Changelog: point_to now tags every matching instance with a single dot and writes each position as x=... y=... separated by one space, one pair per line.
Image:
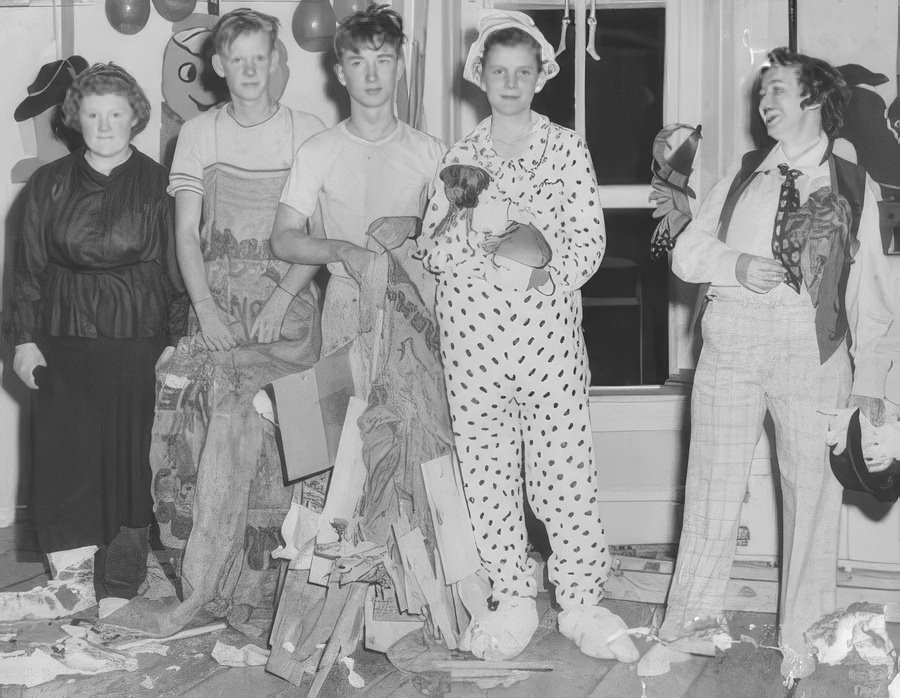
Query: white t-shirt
x=356 y=181
x=214 y=137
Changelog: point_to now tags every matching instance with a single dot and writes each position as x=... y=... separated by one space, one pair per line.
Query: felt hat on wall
x=49 y=87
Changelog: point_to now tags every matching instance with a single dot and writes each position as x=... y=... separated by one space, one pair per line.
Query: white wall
x=31 y=37
x=28 y=39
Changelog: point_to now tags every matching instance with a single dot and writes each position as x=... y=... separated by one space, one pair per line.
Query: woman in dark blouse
x=95 y=276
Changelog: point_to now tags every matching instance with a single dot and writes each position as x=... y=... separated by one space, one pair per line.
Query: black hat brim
x=850 y=468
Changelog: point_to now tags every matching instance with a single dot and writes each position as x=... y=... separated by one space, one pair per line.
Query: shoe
x=502 y=634
x=598 y=632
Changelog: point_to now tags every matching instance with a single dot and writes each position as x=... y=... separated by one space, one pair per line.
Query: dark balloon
x=128 y=16
x=174 y=10
x=314 y=25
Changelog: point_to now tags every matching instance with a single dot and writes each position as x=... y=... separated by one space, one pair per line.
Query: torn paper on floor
x=74 y=656
x=248 y=655
x=860 y=627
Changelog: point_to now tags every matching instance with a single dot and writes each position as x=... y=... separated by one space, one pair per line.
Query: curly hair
x=105 y=79
x=373 y=27
x=242 y=21
x=823 y=84
x=509 y=37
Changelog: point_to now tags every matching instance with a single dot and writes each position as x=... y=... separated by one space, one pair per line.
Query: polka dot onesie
x=513 y=352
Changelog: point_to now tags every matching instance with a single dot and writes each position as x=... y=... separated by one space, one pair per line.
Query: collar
x=529 y=160
x=345 y=127
x=813 y=156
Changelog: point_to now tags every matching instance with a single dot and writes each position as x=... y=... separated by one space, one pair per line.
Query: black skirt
x=91 y=421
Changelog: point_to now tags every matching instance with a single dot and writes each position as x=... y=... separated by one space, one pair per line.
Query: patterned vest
x=847 y=179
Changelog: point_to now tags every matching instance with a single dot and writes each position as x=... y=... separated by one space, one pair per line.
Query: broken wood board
x=344 y=492
x=417 y=565
x=450 y=516
x=299 y=609
x=750 y=588
x=310 y=409
x=345 y=636
x=384 y=623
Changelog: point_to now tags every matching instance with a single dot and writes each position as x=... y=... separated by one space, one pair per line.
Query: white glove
x=28 y=357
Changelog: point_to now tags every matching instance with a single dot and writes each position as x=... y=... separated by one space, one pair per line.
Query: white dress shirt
x=872 y=296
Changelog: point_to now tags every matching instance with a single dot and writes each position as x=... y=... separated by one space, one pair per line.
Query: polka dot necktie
x=786 y=249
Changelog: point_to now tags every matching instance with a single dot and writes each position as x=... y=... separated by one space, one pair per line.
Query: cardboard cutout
x=868 y=126
x=190 y=86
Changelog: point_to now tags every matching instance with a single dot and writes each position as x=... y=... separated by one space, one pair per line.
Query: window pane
x=626 y=302
x=623 y=91
x=626 y=305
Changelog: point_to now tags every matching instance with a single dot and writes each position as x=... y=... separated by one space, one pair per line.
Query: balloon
x=174 y=10
x=343 y=8
x=314 y=25
x=128 y=16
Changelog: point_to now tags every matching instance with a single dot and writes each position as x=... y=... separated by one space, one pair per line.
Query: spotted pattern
x=516 y=368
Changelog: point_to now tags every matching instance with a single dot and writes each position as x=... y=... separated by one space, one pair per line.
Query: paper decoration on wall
x=128 y=16
x=313 y=25
x=189 y=84
x=877 y=145
x=174 y=10
x=343 y=8
x=45 y=94
x=674 y=149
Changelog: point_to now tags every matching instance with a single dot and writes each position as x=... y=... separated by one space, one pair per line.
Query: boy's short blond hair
x=242 y=21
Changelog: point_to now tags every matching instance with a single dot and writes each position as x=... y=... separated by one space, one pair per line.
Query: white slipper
x=504 y=633
x=598 y=632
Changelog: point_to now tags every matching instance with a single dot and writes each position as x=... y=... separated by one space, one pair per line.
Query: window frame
x=693 y=37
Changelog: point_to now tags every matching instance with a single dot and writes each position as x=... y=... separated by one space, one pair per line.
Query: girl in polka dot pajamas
x=513 y=231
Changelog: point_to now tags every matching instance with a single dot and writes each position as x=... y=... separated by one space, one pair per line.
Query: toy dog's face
x=185 y=88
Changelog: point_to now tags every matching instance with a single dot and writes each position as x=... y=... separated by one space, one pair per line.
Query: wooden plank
x=622 y=680
x=383 y=630
x=344 y=490
x=651 y=587
x=751 y=587
x=739 y=570
x=447 y=592
x=290 y=587
x=345 y=637
x=453 y=532
x=315 y=616
x=417 y=565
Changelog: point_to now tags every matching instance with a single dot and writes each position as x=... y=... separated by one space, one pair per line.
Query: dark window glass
x=623 y=91
x=626 y=301
x=626 y=307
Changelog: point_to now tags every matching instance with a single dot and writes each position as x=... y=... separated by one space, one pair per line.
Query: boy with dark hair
x=790 y=253
x=254 y=319
x=370 y=174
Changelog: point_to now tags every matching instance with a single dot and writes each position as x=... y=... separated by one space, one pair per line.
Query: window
x=626 y=305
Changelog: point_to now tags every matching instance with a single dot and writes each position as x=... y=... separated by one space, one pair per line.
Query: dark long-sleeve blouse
x=95 y=255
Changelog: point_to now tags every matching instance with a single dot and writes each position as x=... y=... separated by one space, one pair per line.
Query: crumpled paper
x=248 y=655
x=73 y=656
x=860 y=627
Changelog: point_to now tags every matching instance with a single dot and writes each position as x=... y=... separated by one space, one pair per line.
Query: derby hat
x=849 y=467
x=49 y=87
